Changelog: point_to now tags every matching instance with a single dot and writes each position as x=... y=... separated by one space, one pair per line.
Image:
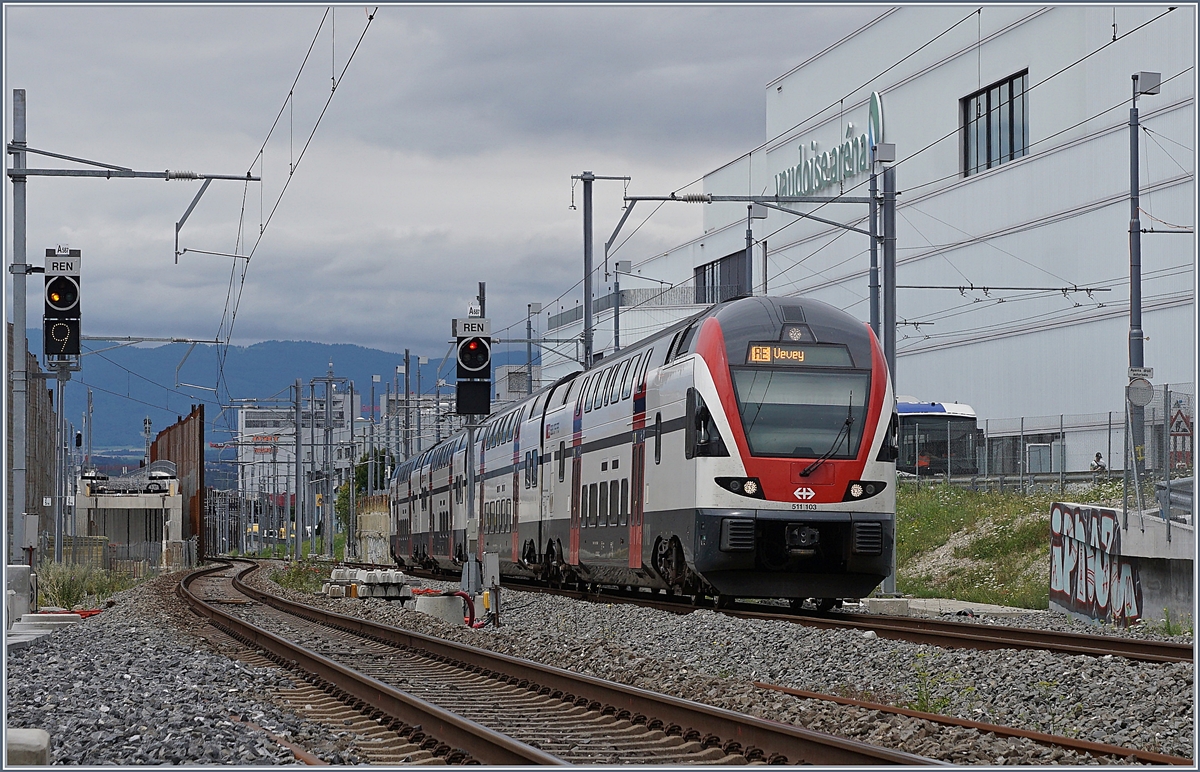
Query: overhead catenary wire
x=232 y=314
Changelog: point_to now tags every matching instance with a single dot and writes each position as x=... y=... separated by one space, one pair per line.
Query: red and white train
x=748 y=451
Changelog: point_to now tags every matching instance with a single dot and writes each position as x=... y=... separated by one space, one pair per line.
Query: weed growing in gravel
x=67 y=586
x=1170 y=626
x=926 y=683
x=299 y=576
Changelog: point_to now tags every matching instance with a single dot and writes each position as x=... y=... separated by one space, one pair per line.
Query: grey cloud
x=448 y=118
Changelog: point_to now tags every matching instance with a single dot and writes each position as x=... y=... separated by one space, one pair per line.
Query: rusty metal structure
x=183 y=444
x=39 y=422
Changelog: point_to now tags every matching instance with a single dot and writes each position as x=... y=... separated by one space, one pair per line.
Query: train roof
x=935 y=408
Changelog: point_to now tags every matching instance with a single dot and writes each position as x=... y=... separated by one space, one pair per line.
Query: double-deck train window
x=658 y=438
x=614 y=502
x=594 y=505
x=673 y=347
x=605 y=390
x=583 y=508
x=562 y=461
x=641 y=379
x=625 y=501
x=620 y=381
x=628 y=378
x=596 y=388
x=614 y=386
x=602 y=518
x=585 y=394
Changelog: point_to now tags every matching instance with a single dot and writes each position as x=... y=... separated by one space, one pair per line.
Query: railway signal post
x=60 y=344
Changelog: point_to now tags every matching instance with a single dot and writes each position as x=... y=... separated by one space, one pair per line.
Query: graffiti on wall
x=1087 y=574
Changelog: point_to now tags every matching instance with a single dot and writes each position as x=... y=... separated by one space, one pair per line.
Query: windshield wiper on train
x=844 y=432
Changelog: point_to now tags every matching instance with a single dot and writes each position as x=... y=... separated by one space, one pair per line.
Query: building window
x=996 y=124
x=722 y=279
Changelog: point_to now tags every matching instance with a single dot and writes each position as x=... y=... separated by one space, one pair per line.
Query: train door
x=514 y=536
x=576 y=473
x=637 y=473
x=636 y=483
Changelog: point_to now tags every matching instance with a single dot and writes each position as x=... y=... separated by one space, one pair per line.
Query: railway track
x=1065 y=642
x=936 y=632
x=469 y=704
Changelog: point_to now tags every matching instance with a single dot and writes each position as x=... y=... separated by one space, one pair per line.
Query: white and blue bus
x=934 y=436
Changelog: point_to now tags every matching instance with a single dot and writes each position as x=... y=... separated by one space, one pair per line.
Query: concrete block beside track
x=448 y=608
x=27 y=747
x=892 y=606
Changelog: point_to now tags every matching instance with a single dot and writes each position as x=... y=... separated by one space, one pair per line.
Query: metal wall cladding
x=183 y=443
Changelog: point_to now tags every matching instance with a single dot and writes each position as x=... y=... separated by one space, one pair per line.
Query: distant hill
x=131 y=383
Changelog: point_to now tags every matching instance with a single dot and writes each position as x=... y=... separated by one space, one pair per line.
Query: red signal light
x=473 y=345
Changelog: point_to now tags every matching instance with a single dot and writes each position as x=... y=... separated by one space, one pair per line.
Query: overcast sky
x=444 y=158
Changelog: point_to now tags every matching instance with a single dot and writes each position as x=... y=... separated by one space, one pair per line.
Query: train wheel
x=825 y=604
x=723 y=601
x=796 y=604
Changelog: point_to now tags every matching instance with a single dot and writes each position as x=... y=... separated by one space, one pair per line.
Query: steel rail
x=480 y=742
x=1069 y=743
x=983 y=636
x=777 y=742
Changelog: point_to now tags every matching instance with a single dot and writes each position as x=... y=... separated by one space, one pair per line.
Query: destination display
x=798 y=354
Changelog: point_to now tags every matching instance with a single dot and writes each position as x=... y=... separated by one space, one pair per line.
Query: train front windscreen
x=793 y=413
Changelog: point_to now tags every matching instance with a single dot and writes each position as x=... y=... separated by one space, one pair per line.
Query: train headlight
x=743 y=486
x=858 y=490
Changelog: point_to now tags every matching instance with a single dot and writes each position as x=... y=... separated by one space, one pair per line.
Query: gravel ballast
x=133 y=685
x=712 y=658
x=137 y=684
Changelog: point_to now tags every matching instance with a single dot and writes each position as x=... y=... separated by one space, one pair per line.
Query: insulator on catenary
x=182 y=175
x=696 y=198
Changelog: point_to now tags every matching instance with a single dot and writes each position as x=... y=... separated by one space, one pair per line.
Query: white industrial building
x=266 y=444
x=1012 y=157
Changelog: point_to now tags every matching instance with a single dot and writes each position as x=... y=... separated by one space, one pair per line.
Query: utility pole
x=88 y=460
x=889 y=270
x=753 y=212
x=352 y=520
x=312 y=469
x=408 y=402
x=20 y=270
x=873 y=217
x=588 y=325
x=297 y=527
x=1143 y=83
x=531 y=309
x=371 y=442
x=327 y=487
x=420 y=439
